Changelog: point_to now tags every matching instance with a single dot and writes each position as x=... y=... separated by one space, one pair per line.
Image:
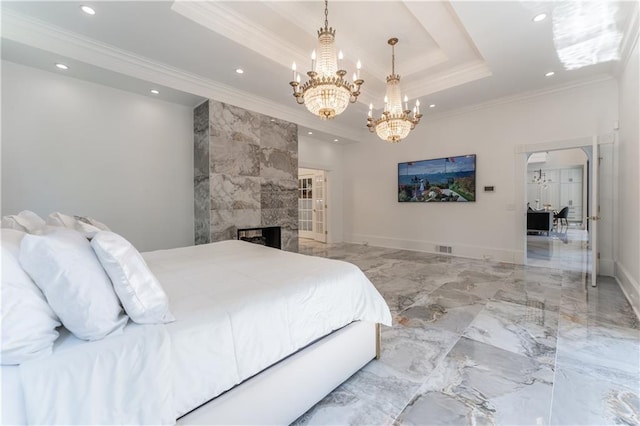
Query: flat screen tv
x=446 y=179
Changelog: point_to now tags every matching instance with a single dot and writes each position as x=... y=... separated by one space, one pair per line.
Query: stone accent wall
x=246 y=173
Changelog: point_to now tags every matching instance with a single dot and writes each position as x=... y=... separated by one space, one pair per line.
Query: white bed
x=260 y=336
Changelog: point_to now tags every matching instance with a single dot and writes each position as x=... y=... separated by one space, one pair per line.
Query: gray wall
x=81 y=148
x=245 y=173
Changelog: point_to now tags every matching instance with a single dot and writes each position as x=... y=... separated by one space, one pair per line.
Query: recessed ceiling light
x=432 y=106
x=336 y=140
x=549 y=74
x=154 y=91
x=62 y=66
x=88 y=10
x=540 y=17
x=239 y=70
x=309 y=133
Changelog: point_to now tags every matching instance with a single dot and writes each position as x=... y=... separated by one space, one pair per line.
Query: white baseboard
x=629 y=286
x=460 y=250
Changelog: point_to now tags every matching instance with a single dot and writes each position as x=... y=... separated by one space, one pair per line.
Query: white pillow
x=62 y=263
x=141 y=294
x=89 y=227
x=91 y=221
x=28 y=322
x=63 y=220
x=26 y=221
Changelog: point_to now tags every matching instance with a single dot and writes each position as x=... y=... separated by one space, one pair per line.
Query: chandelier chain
x=393 y=59
x=326 y=14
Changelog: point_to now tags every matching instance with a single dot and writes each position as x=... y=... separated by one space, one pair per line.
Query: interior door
x=319 y=206
x=595 y=211
x=305 y=206
x=312 y=204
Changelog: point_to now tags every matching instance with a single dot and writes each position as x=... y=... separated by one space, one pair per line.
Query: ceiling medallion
x=327 y=93
x=395 y=123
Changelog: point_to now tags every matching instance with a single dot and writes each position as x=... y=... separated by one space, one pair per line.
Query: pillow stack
x=63 y=265
x=53 y=275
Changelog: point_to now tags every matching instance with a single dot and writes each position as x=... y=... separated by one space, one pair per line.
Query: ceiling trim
x=230 y=23
x=520 y=97
x=42 y=35
x=450 y=78
x=225 y=21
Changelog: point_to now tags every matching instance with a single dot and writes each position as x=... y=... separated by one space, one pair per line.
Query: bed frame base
x=286 y=390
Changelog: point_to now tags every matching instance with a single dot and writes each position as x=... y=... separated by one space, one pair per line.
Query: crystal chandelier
x=327 y=93
x=395 y=123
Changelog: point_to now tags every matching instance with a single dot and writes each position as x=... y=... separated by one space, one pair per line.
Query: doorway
x=312 y=205
x=602 y=190
x=557 y=206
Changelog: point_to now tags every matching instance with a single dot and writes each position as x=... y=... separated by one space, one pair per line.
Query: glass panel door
x=305 y=206
x=319 y=207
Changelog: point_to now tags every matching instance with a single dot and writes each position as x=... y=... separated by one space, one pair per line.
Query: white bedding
x=239 y=308
x=120 y=379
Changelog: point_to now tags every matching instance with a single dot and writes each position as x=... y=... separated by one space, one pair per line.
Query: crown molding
x=42 y=35
x=229 y=22
x=450 y=78
x=442 y=81
x=222 y=19
x=520 y=97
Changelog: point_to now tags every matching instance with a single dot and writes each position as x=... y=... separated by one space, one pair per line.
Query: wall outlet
x=443 y=249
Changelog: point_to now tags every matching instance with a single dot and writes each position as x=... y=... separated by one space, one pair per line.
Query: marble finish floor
x=564 y=248
x=477 y=342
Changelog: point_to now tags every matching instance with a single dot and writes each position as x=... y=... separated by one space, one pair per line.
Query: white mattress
x=239 y=308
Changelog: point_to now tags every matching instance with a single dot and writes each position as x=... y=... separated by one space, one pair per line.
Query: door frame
x=522 y=153
x=312 y=172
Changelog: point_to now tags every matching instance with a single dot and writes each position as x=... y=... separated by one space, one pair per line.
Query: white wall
x=628 y=241
x=81 y=148
x=317 y=154
x=493 y=226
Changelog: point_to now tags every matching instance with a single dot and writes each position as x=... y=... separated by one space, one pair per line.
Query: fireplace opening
x=267 y=236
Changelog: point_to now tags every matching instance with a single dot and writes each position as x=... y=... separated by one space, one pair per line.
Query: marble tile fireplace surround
x=245 y=173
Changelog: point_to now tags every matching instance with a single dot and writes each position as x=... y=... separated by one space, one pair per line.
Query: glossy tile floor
x=564 y=248
x=477 y=342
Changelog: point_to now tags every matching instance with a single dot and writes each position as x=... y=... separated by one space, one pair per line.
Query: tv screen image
x=446 y=179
